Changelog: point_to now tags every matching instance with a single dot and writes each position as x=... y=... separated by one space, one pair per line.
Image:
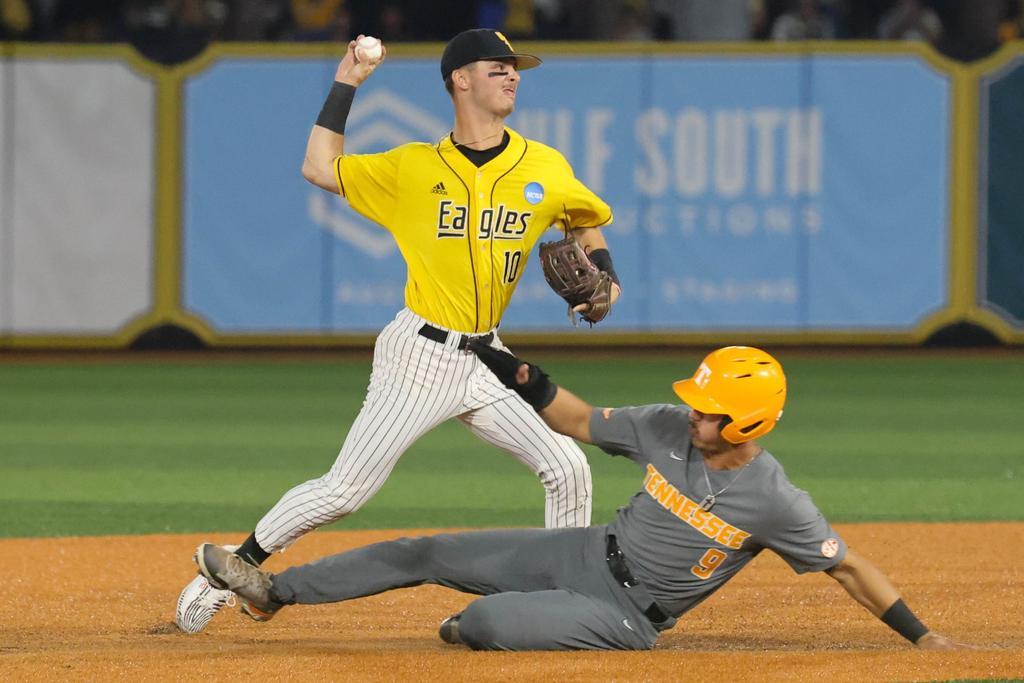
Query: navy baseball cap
x=481 y=43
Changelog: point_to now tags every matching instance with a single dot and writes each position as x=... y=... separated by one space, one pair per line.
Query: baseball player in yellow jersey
x=465 y=212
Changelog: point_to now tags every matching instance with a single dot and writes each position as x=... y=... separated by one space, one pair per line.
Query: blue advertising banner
x=777 y=193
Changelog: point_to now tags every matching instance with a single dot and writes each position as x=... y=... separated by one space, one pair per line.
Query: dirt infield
x=103 y=609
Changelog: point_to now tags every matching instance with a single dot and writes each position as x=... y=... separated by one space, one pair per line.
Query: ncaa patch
x=534 y=192
x=829 y=547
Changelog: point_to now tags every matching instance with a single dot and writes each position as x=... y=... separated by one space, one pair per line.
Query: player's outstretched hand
x=506 y=367
x=529 y=381
x=937 y=641
x=354 y=72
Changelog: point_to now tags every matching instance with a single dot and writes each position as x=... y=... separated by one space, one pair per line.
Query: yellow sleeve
x=581 y=207
x=370 y=182
x=584 y=208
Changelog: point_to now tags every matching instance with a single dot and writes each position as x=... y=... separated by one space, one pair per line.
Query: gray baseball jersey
x=682 y=553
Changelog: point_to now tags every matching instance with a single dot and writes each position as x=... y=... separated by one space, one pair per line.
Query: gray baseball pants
x=545 y=589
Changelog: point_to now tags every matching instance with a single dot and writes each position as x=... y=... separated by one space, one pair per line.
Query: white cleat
x=199 y=602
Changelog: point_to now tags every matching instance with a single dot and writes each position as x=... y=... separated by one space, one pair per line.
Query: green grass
x=145 y=446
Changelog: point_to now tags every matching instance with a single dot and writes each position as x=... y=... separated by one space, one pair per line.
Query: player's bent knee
x=479 y=627
x=412 y=555
x=573 y=474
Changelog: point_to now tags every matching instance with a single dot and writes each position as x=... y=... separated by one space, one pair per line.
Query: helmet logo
x=702 y=376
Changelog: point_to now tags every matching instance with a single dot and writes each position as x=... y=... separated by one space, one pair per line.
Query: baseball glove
x=572 y=275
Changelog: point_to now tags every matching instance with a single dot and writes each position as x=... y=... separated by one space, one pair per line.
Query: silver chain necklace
x=451 y=136
x=712 y=497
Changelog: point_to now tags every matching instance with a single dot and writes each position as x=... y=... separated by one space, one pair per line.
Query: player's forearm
x=866 y=584
x=870 y=587
x=568 y=414
x=590 y=238
x=596 y=247
x=562 y=410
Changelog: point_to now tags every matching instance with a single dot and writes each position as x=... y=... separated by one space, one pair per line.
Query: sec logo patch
x=829 y=547
x=534 y=193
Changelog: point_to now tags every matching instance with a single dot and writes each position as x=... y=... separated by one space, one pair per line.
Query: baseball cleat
x=228 y=571
x=197 y=604
x=449 y=630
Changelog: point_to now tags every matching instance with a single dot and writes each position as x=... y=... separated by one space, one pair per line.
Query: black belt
x=441 y=336
x=617 y=565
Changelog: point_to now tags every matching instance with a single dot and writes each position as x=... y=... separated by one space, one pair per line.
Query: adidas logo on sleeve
x=439 y=189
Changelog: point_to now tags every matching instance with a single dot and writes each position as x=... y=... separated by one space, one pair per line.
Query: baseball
x=368 y=50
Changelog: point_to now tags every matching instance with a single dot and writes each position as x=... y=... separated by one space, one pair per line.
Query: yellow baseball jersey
x=466 y=232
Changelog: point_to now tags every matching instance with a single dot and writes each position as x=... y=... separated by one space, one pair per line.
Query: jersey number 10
x=512 y=261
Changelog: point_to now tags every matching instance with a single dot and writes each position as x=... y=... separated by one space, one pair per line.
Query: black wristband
x=539 y=391
x=334 y=113
x=602 y=258
x=900 y=619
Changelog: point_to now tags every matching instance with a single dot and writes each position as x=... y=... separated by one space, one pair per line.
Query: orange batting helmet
x=741 y=382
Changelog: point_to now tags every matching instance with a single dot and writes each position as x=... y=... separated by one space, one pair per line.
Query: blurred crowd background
x=173 y=30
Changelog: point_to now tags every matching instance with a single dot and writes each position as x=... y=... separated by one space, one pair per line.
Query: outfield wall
x=804 y=193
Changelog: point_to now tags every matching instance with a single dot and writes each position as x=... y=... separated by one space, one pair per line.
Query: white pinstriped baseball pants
x=417 y=384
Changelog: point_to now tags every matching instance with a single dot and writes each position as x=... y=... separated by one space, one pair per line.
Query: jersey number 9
x=708 y=563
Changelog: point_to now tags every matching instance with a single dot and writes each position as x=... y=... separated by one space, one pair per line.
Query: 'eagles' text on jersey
x=465 y=232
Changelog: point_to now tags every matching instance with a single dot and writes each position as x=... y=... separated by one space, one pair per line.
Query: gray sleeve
x=614 y=430
x=803 y=537
x=620 y=431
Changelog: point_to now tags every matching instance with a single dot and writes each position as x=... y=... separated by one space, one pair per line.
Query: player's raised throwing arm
x=562 y=410
x=327 y=139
